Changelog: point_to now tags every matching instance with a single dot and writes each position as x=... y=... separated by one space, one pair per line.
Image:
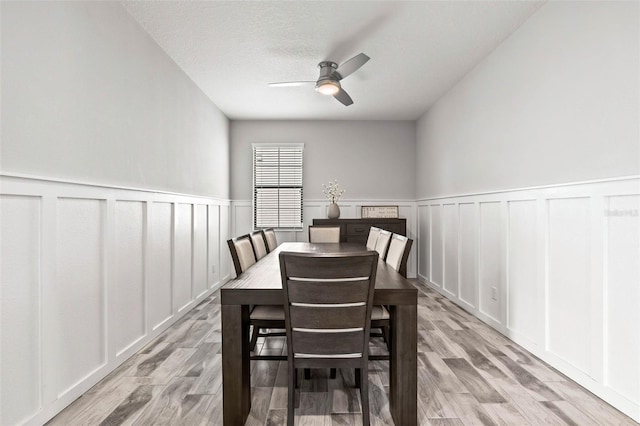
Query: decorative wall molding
x=90 y=274
x=531 y=188
x=554 y=268
x=562 y=259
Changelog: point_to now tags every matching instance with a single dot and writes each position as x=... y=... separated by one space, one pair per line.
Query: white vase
x=333 y=212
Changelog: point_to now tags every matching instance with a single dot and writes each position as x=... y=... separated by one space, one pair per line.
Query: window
x=277 y=185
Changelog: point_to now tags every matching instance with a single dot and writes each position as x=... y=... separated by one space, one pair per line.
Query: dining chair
x=382 y=243
x=398 y=253
x=270 y=238
x=373 y=237
x=259 y=244
x=324 y=234
x=328 y=302
x=242 y=253
x=260 y=316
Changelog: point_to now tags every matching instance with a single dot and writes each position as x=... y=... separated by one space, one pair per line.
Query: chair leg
x=254 y=337
x=291 y=397
x=364 y=394
x=307 y=374
x=357 y=374
x=332 y=373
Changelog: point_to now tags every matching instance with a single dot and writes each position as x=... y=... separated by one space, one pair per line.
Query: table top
x=261 y=283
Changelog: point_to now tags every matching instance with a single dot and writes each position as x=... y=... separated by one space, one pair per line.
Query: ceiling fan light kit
x=328 y=87
x=328 y=82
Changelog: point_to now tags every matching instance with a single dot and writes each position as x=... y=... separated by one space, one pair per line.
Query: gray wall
x=557 y=102
x=371 y=159
x=88 y=96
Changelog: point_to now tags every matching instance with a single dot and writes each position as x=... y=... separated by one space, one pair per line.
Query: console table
x=357 y=230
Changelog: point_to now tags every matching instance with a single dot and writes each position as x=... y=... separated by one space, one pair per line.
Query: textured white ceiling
x=418 y=50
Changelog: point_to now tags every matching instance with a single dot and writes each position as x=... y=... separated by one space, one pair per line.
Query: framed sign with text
x=379 y=212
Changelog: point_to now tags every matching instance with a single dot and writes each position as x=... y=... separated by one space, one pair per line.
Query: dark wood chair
x=398 y=253
x=382 y=243
x=372 y=238
x=328 y=302
x=397 y=256
x=270 y=239
x=261 y=316
x=324 y=234
x=259 y=244
x=242 y=253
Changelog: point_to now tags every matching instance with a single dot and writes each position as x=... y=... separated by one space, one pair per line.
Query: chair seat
x=267 y=313
x=379 y=312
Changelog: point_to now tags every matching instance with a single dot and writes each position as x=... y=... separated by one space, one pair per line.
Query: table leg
x=236 y=380
x=403 y=365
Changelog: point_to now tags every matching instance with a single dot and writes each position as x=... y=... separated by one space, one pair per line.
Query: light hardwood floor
x=468 y=374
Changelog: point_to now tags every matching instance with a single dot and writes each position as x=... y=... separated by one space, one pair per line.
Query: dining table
x=261 y=285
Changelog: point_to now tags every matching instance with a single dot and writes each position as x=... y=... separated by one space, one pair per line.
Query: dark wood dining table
x=261 y=285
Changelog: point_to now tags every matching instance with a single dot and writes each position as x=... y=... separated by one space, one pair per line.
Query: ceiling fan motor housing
x=328 y=73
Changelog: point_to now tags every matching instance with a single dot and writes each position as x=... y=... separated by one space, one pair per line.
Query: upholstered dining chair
x=398 y=253
x=270 y=238
x=242 y=253
x=259 y=244
x=373 y=237
x=324 y=234
x=261 y=316
x=382 y=243
x=328 y=301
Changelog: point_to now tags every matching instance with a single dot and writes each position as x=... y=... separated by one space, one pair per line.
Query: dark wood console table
x=357 y=230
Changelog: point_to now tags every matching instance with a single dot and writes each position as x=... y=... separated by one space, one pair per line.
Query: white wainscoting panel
x=20 y=298
x=424 y=242
x=90 y=274
x=450 y=227
x=78 y=322
x=490 y=260
x=622 y=295
x=564 y=260
x=436 y=245
x=160 y=294
x=200 y=255
x=568 y=295
x=468 y=241
x=182 y=257
x=225 y=234
x=524 y=271
x=213 y=227
x=242 y=222
x=128 y=281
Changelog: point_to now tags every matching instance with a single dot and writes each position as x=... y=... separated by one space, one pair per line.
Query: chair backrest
x=259 y=244
x=382 y=243
x=328 y=300
x=398 y=253
x=242 y=253
x=270 y=236
x=373 y=237
x=324 y=234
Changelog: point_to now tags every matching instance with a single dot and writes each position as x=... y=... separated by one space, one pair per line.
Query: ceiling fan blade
x=352 y=65
x=343 y=97
x=291 y=83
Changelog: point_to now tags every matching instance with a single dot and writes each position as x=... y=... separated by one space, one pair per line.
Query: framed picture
x=379 y=211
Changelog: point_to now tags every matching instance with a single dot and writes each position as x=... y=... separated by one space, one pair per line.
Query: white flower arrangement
x=333 y=192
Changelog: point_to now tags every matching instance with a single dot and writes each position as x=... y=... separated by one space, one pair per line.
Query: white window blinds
x=277 y=186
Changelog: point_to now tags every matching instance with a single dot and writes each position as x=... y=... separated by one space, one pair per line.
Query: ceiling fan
x=330 y=75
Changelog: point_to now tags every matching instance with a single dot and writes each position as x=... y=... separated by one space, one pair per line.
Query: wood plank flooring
x=468 y=374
